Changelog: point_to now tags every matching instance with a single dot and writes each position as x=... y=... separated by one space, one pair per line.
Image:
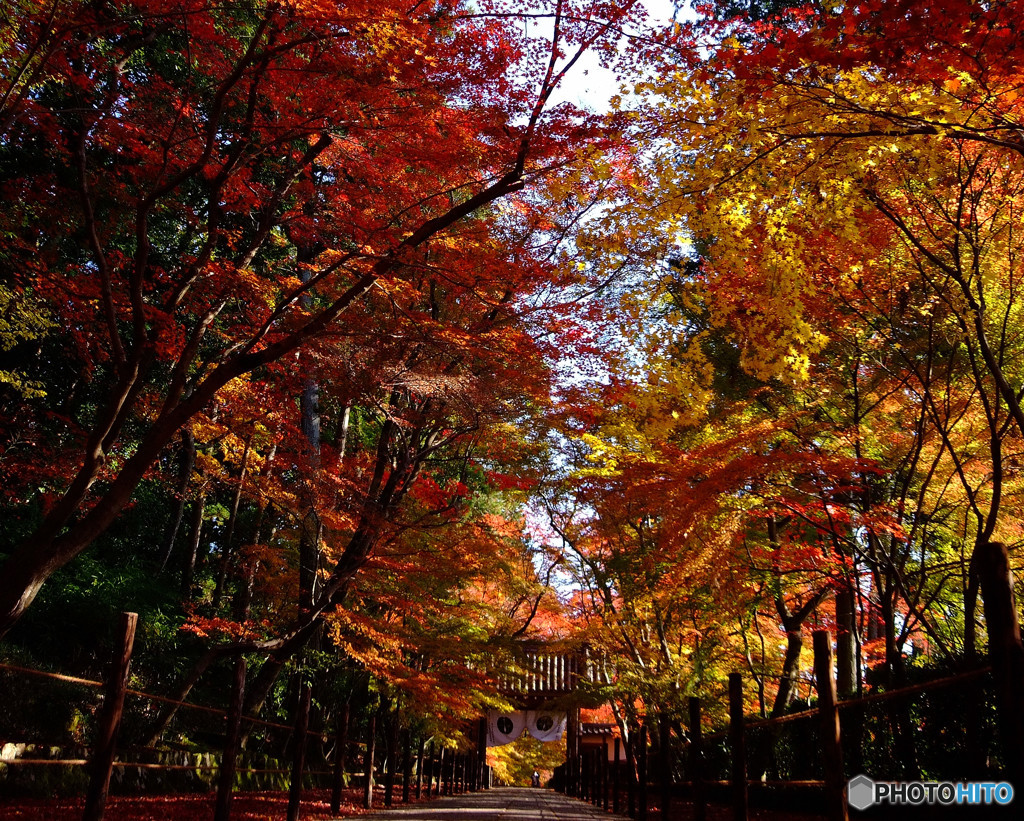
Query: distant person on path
x=535 y=781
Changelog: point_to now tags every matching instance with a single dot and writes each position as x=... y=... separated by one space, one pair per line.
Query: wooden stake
x=832 y=751
x=642 y=773
x=665 y=751
x=419 y=768
x=737 y=738
x=233 y=733
x=371 y=750
x=481 y=749
x=430 y=769
x=110 y=721
x=1006 y=650
x=615 y=776
x=406 y=764
x=631 y=782
x=439 y=788
x=340 y=748
x=299 y=761
x=604 y=774
x=571 y=752
x=392 y=756
x=696 y=762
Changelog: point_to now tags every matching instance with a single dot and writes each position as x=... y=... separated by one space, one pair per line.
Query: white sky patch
x=589 y=84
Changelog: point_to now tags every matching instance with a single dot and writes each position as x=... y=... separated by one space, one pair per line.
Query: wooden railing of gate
x=547 y=672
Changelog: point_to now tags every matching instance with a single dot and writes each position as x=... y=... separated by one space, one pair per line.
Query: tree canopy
x=323 y=326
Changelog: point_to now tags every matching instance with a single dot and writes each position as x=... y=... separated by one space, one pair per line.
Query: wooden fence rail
x=827 y=716
x=438 y=773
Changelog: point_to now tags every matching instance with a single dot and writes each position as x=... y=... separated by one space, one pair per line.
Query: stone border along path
x=499 y=804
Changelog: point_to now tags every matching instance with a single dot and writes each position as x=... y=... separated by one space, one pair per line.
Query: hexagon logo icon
x=860 y=792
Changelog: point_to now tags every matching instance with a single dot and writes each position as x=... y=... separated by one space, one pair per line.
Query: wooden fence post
x=299 y=760
x=696 y=762
x=739 y=748
x=631 y=781
x=832 y=751
x=440 y=772
x=616 y=771
x=664 y=745
x=604 y=774
x=340 y=748
x=430 y=769
x=592 y=776
x=481 y=741
x=226 y=785
x=110 y=720
x=391 y=759
x=571 y=752
x=584 y=782
x=642 y=774
x=406 y=764
x=1006 y=650
x=371 y=751
x=419 y=767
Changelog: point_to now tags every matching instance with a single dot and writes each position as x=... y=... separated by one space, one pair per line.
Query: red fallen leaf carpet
x=245 y=806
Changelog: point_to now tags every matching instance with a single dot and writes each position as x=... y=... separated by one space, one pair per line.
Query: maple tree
x=830 y=345
x=231 y=185
x=324 y=288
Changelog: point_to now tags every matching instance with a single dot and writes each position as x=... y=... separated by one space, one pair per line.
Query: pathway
x=500 y=804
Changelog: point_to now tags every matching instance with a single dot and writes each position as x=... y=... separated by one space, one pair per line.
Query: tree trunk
x=846 y=646
x=188 y=460
x=228 y=549
x=189 y=569
x=170 y=710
